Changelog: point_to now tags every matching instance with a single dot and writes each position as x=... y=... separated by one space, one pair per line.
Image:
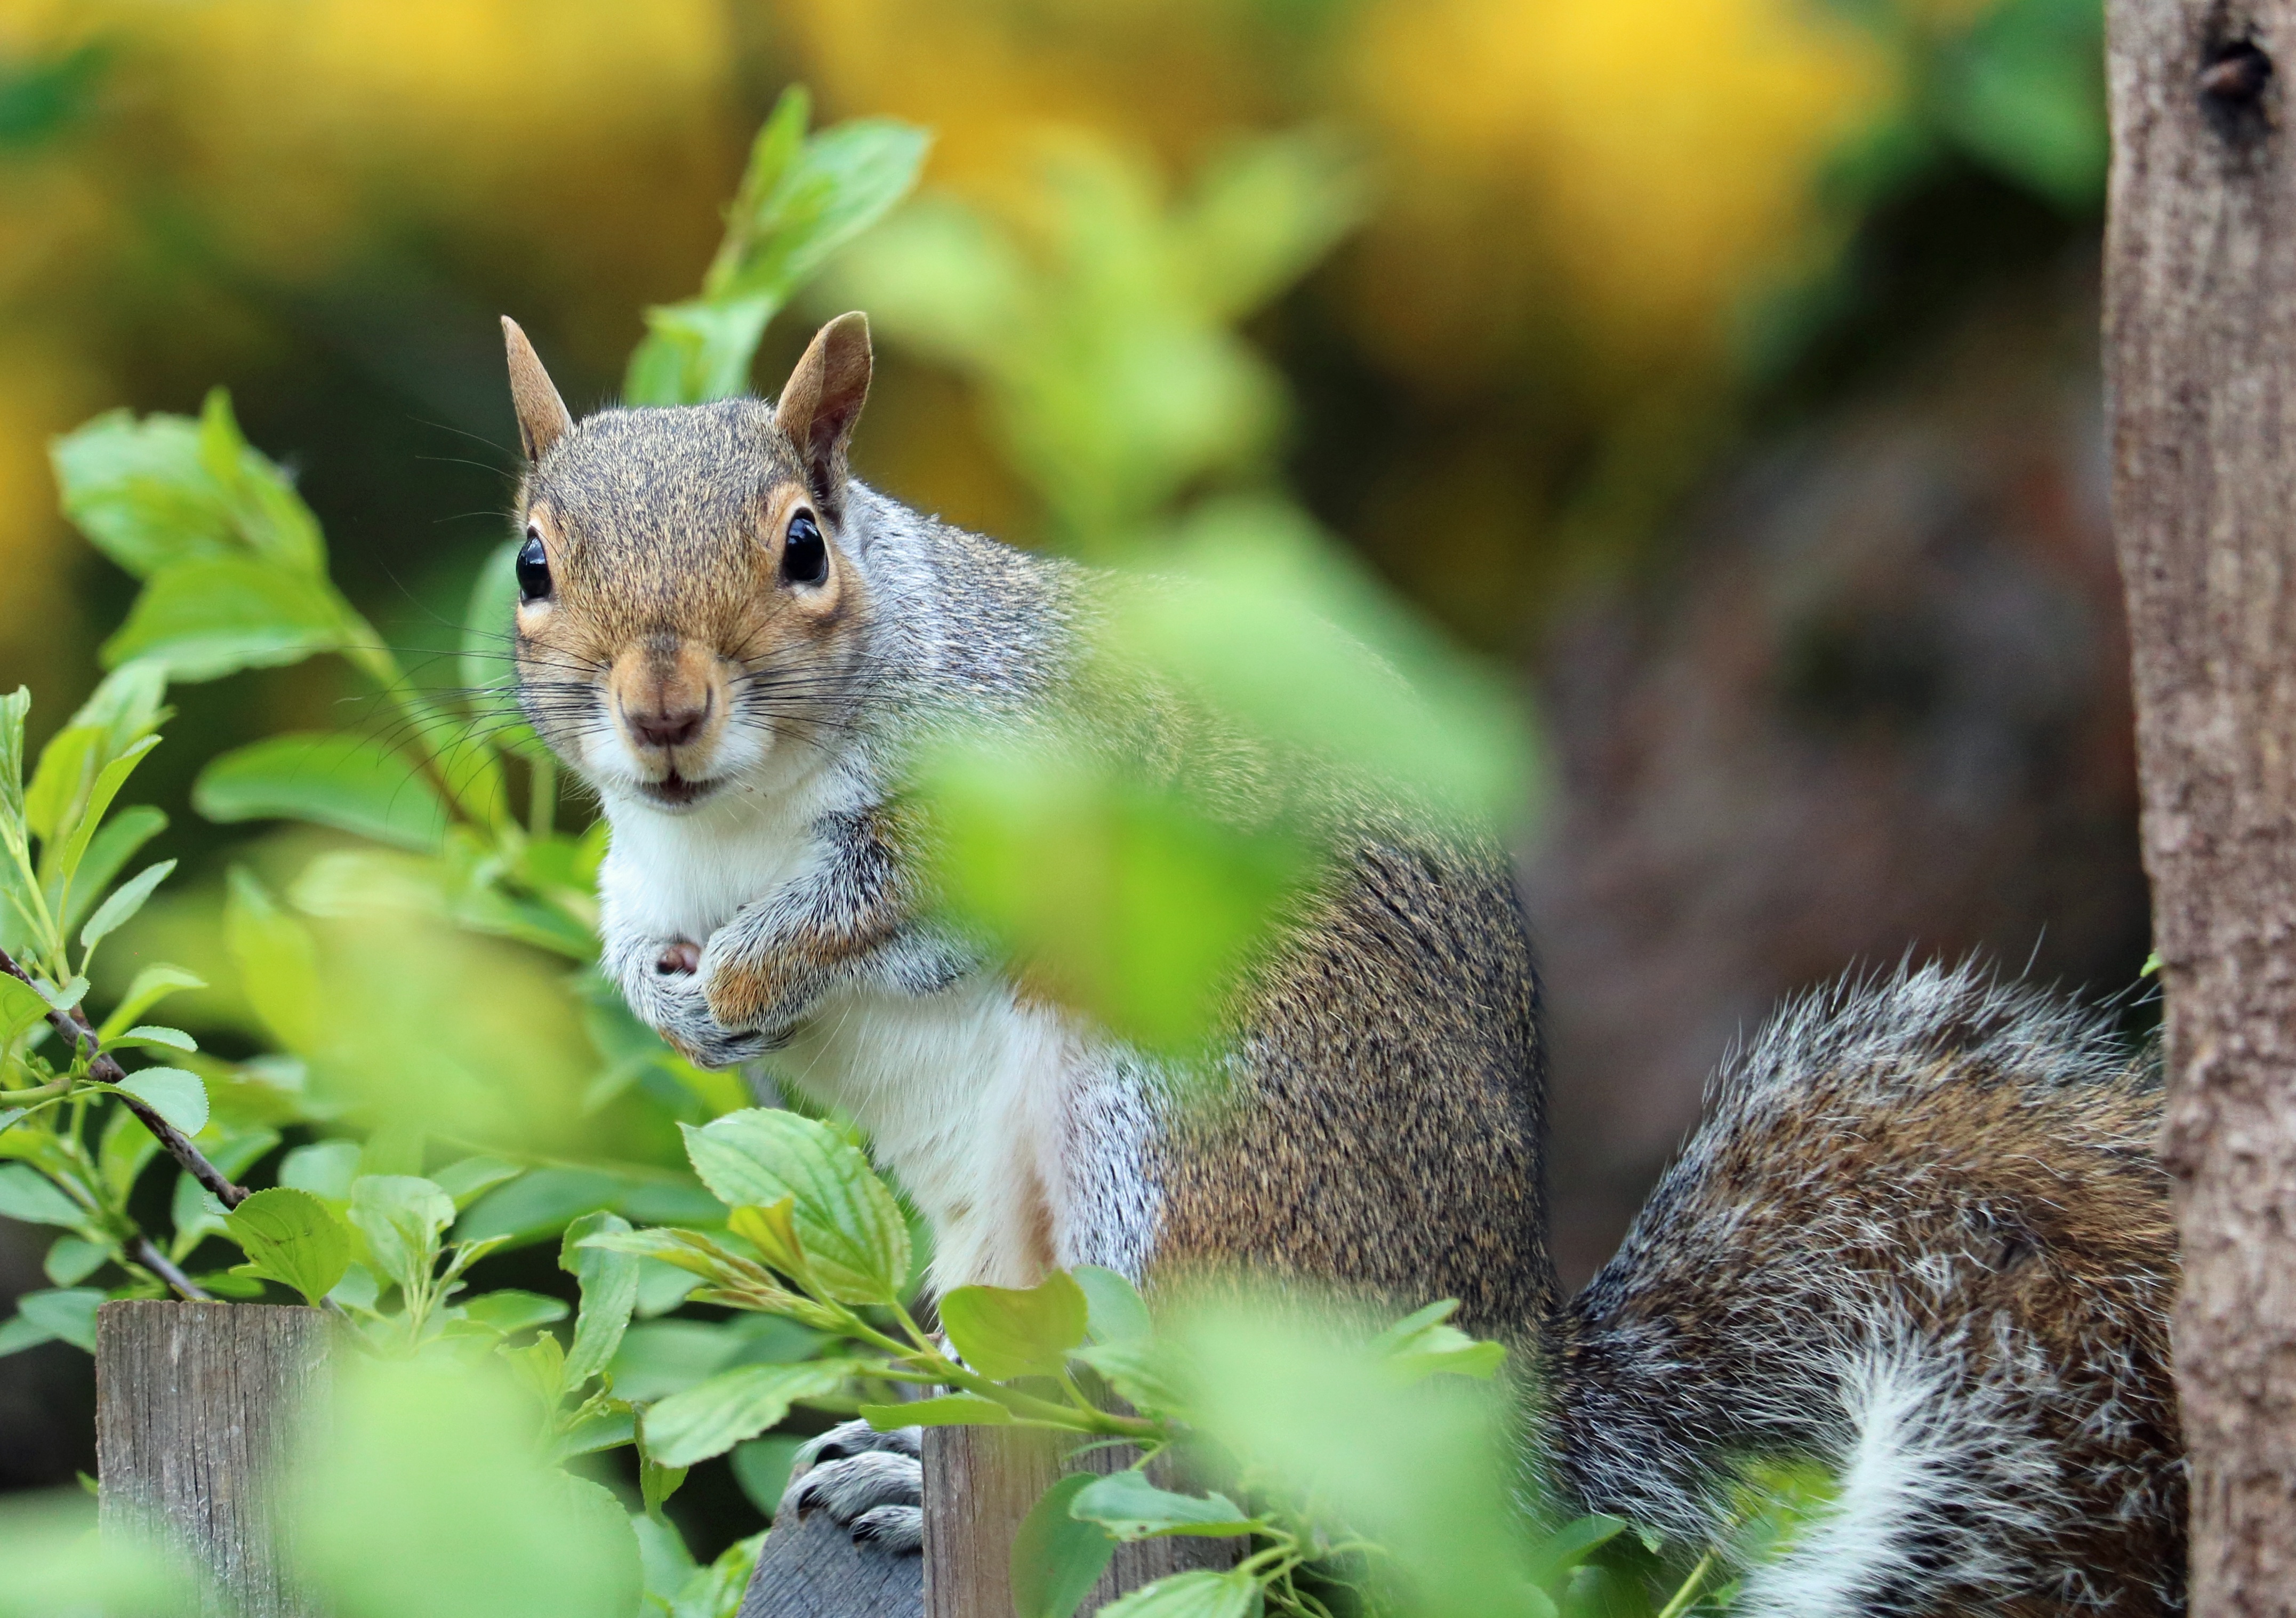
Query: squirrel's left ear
x=542 y=418
x=817 y=410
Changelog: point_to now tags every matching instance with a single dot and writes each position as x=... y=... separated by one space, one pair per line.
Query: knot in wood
x=2231 y=85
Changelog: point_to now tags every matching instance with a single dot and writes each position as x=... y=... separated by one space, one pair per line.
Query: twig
x=160 y=1265
x=105 y=1068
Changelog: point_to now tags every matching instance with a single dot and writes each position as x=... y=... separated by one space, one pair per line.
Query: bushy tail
x=1923 y=1239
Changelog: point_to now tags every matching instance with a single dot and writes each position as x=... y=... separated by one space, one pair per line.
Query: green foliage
x=802 y=198
x=291 y=1238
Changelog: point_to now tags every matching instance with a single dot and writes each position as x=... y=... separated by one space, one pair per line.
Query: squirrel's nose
x=669 y=727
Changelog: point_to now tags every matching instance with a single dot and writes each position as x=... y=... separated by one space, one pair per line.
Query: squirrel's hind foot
x=871 y=1483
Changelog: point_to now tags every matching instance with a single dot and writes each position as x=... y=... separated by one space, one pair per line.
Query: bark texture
x=193 y=1401
x=2200 y=355
x=980 y=1482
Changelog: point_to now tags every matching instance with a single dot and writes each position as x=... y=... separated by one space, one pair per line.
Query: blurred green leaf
x=762 y=1467
x=293 y=1238
x=348 y=782
x=179 y=1096
x=610 y=1291
x=1114 y=1307
x=20 y=1009
x=106 y=786
x=59 y=1566
x=402 y=1217
x=2024 y=92
x=28 y=1194
x=1554 y=1558
x=42 y=97
x=324 y=1168
x=511 y=1311
x=70 y=1260
x=278 y=962
x=67 y=1313
x=942 y=1410
x=1144 y=1371
x=1191 y=1595
x=203 y=620
x=426 y=1497
x=733 y=1406
x=1004 y=1332
x=800 y=200
x=1057 y=1558
x=1130 y=1507
x=468 y=1179
x=853 y=1232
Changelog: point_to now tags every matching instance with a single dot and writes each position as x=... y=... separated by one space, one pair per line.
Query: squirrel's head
x=689 y=620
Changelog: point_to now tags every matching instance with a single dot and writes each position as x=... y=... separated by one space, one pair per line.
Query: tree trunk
x=192 y=1404
x=2200 y=355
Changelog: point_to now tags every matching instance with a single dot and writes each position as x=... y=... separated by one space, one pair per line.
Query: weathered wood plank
x=193 y=1403
x=2201 y=356
x=811 y=1568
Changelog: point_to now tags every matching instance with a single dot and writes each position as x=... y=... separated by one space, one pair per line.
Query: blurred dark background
x=1725 y=368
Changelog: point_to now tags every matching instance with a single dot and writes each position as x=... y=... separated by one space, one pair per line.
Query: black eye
x=533 y=568
x=805 y=559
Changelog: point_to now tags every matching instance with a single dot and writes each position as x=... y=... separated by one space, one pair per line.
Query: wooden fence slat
x=193 y=1402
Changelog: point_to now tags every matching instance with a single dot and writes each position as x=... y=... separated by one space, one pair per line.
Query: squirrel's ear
x=542 y=418
x=817 y=410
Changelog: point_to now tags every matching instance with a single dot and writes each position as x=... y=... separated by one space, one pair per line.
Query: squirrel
x=1921 y=1233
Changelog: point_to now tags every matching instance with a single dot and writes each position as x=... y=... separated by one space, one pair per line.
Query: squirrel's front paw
x=749 y=993
x=871 y=1483
x=681 y=1014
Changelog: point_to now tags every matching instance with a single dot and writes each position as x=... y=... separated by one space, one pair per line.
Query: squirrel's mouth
x=674 y=791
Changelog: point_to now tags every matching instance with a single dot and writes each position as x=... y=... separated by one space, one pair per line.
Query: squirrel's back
x=1922 y=1238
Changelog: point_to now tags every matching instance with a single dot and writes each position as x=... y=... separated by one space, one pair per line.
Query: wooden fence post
x=192 y=1404
x=2200 y=357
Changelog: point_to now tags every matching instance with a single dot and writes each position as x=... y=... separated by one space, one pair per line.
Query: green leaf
x=72 y=1260
x=943 y=1411
x=1115 y=1310
x=657 y=1482
x=468 y=1179
x=1004 y=1332
x=293 y=1238
x=28 y=1195
x=138 y=491
x=1131 y=1508
x=21 y=1008
x=851 y=1226
x=733 y=1406
x=13 y=708
x=60 y=781
x=179 y=1097
x=610 y=1292
x=109 y=780
x=126 y=900
x=762 y=1467
x=402 y=1217
x=69 y=1313
x=1140 y=1369
x=510 y=1311
x=278 y=962
x=1570 y=1545
x=1191 y=1595
x=325 y=1168
x=152 y=985
x=202 y=619
x=1422 y=1344
x=347 y=782
x=1057 y=1558
x=150 y=1034
x=116 y=842
x=800 y=200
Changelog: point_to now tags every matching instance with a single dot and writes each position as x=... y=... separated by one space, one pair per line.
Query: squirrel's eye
x=533 y=568
x=805 y=559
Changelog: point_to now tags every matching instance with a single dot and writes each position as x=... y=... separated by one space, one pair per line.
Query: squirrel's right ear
x=542 y=418
x=822 y=401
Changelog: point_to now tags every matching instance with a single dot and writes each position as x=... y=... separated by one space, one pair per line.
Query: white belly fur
x=966 y=1095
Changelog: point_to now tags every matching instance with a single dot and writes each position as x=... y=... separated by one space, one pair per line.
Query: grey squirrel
x=1921 y=1236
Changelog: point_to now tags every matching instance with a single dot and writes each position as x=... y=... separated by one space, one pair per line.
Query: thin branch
x=105 y=1069
x=146 y=1253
